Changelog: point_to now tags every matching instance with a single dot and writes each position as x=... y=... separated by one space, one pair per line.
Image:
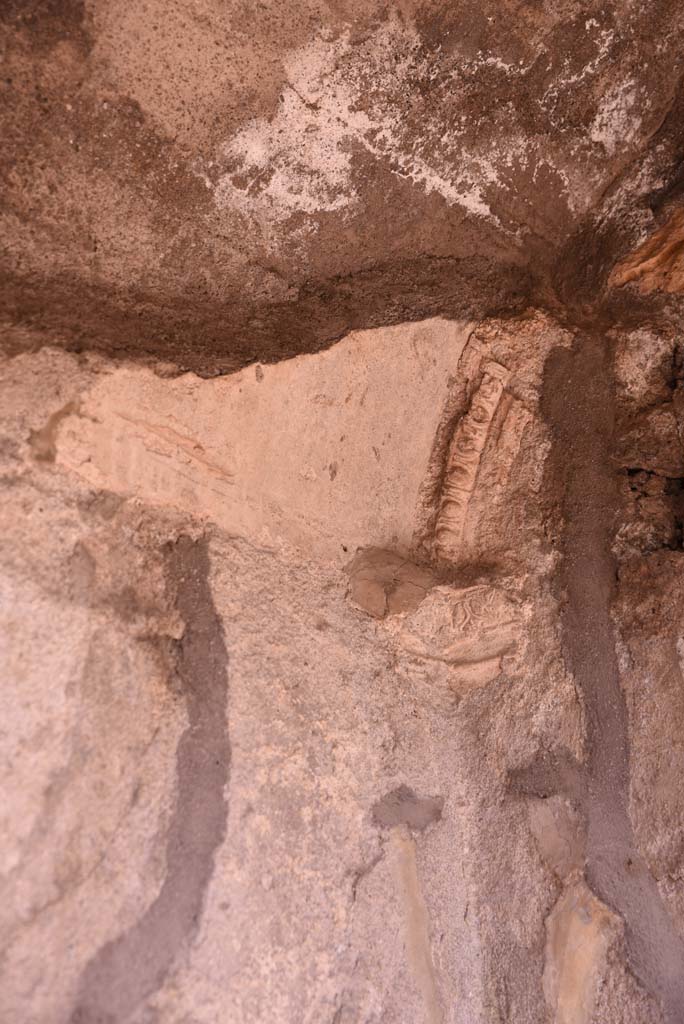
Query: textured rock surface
x=342 y=467
x=371 y=838
x=221 y=182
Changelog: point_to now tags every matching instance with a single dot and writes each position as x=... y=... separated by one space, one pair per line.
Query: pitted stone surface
x=341 y=434
x=217 y=183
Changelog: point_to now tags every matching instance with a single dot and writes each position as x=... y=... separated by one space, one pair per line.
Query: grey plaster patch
x=403 y=807
x=132 y=967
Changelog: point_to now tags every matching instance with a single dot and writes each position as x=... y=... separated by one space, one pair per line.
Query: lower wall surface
x=248 y=785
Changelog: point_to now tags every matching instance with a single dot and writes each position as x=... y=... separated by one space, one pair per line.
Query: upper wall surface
x=218 y=182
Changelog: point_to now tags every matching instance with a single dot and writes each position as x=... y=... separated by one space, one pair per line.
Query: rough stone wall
x=221 y=181
x=342 y=467
x=254 y=776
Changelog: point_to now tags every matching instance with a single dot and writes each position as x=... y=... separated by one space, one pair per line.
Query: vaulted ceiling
x=210 y=182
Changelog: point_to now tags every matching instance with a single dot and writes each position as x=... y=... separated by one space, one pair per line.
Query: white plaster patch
x=344 y=99
x=616 y=123
x=300 y=160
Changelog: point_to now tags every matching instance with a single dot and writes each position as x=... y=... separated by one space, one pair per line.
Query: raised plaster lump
x=383 y=583
x=470 y=630
x=463 y=460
